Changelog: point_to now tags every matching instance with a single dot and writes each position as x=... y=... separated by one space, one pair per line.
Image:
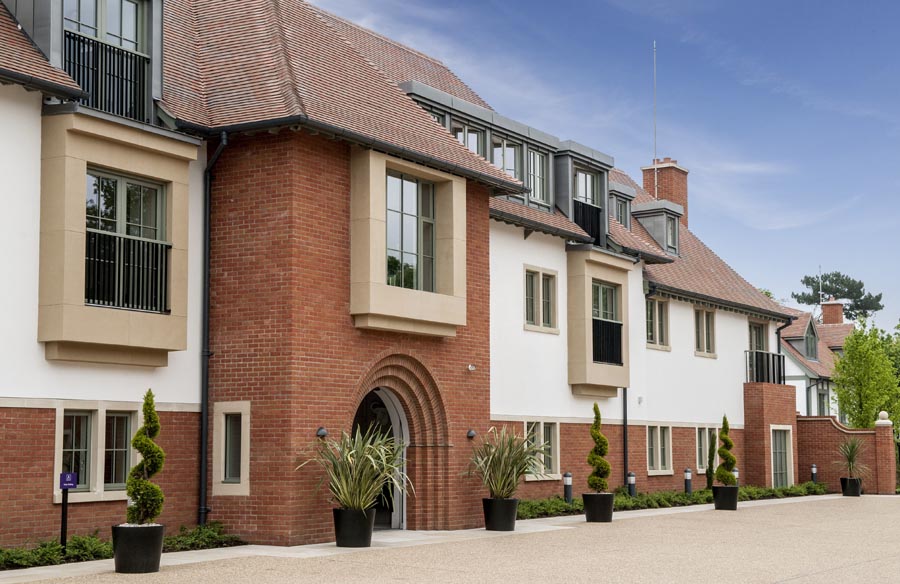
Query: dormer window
x=812 y=343
x=116 y=22
x=506 y=155
x=469 y=136
x=537 y=176
x=588 y=187
x=621 y=210
x=671 y=234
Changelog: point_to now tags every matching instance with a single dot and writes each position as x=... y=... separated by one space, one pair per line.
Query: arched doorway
x=382 y=409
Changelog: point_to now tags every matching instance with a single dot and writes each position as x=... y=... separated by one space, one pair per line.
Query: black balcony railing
x=607 y=340
x=116 y=80
x=125 y=272
x=590 y=218
x=763 y=367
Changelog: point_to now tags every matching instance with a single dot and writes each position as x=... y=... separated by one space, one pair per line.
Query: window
x=115 y=21
x=537 y=176
x=117 y=452
x=470 y=137
x=124 y=205
x=620 y=209
x=540 y=299
x=605 y=302
x=544 y=433
x=782 y=457
x=410 y=232
x=822 y=400
x=705 y=437
x=659 y=451
x=704 y=331
x=606 y=326
x=587 y=187
x=812 y=343
x=76 y=446
x=758 y=336
x=671 y=234
x=657 y=322
x=437 y=115
x=506 y=156
x=232 y=448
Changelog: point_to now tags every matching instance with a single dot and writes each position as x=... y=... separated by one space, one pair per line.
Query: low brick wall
x=818 y=441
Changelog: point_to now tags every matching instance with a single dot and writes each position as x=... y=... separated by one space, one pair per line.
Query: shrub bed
x=556 y=506
x=84 y=548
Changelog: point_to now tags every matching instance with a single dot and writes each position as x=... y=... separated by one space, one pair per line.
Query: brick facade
x=283 y=338
x=818 y=441
x=766 y=405
x=29 y=514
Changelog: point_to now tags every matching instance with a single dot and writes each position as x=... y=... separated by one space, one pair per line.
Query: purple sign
x=68 y=480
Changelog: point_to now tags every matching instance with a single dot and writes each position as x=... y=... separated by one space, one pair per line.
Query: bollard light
x=688 y=483
x=567 y=487
x=815 y=473
x=632 y=486
x=737 y=475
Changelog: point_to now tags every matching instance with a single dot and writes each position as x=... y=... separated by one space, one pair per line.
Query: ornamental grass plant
x=502 y=459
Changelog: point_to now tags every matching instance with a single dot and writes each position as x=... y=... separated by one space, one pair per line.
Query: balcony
x=607 y=342
x=117 y=80
x=590 y=218
x=126 y=272
x=763 y=367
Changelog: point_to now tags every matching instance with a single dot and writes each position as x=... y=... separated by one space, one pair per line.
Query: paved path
x=816 y=539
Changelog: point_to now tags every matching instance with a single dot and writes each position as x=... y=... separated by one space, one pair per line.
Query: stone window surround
x=554 y=475
x=539 y=290
x=660 y=323
x=790 y=452
x=219 y=486
x=701 y=468
x=373 y=303
x=667 y=470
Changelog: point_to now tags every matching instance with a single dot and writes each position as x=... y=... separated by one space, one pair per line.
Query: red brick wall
x=819 y=438
x=283 y=338
x=672 y=185
x=26 y=491
x=765 y=405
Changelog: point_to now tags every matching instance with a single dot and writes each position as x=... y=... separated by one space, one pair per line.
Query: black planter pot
x=725 y=497
x=353 y=528
x=598 y=507
x=851 y=487
x=500 y=514
x=137 y=548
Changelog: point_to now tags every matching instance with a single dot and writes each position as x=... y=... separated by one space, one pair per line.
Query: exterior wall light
x=471 y=367
x=736 y=476
x=471 y=434
x=321 y=432
x=815 y=474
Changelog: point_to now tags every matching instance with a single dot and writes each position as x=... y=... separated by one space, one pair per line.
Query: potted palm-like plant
x=358 y=466
x=137 y=544
x=725 y=496
x=500 y=461
x=598 y=506
x=851 y=450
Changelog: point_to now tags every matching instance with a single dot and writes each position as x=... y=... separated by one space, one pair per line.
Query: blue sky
x=785 y=113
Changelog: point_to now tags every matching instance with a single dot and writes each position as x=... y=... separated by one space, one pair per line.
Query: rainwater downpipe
x=625 y=436
x=786 y=324
x=205 y=353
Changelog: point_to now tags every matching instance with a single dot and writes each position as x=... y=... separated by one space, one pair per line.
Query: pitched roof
x=552 y=223
x=797 y=329
x=821 y=367
x=697 y=270
x=23 y=63
x=637 y=241
x=400 y=62
x=261 y=62
x=834 y=335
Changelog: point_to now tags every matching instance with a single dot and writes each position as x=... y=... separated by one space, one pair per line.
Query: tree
x=725 y=472
x=861 y=303
x=767 y=292
x=146 y=497
x=865 y=381
x=597 y=478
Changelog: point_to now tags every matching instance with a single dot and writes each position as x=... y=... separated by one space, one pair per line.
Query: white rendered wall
x=24 y=373
x=796 y=377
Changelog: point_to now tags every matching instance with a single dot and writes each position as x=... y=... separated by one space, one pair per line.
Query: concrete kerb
x=380 y=540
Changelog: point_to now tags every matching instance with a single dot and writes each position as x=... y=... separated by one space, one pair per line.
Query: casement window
x=812 y=343
x=410 y=232
x=127 y=206
x=231 y=448
x=659 y=449
x=605 y=301
x=439 y=116
x=705 y=331
x=540 y=300
x=671 y=234
x=117 y=450
x=588 y=187
x=117 y=22
x=657 y=322
x=621 y=210
x=507 y=155
x=469 y=136
x=705 y=437
x=606 y=326
x=76 y=446
x=758 y=336
x=782 y=456
x=546 y=433
x=537 y=176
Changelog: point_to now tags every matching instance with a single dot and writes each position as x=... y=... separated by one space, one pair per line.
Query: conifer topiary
x=597 y=479
x=146 y=497
x=710 y=459
x=724 y=473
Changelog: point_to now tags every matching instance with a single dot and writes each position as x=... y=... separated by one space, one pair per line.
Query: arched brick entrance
x=427 y=452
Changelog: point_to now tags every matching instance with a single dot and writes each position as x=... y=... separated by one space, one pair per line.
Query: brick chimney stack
x=832 y=312
x=672 y=183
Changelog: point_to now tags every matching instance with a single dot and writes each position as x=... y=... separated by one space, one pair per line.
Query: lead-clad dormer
x=582 y=184
x=661 y=220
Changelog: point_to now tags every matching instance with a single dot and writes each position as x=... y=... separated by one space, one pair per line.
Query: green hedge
x=84 y=548
x=556 y=506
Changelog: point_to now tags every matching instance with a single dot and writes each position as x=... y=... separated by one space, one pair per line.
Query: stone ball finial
x=882 y=415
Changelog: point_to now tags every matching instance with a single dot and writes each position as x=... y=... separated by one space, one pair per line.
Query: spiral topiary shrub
x=710 y=458
x=146 y=497
x=597 y=478
x=724 y=472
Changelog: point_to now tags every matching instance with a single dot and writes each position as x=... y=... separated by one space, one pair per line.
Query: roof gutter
x=647 y=257
x=359 y=139
x=37 y=84
x=537 y=226
x=727 y=303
